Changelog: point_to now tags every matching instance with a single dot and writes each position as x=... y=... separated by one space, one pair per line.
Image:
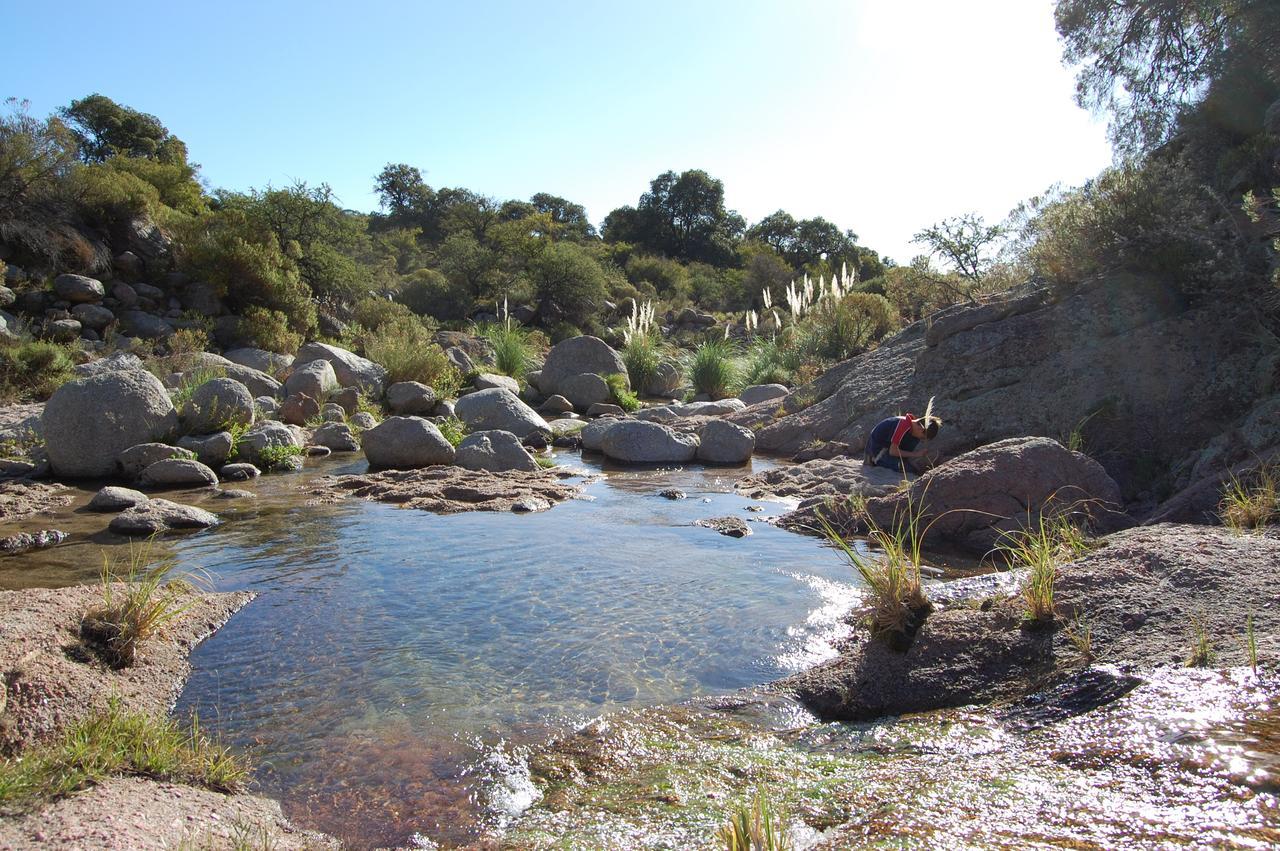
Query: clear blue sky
x=883 y=117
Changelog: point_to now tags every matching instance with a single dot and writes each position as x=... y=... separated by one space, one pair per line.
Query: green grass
x=1041 y=549
x=712 y=369
x=546 y=462
x=642 y=357
x=1252 y=501
x=511 y=351
x=622 y=396
x=755 y=828
x=277 y=457
x=895 y=597
x=409 y=354
x=1202 y=653
x=453 y=429
x=1080 y=633
x=138 y=600
x=116 y=743
x=764 y=363
x=24 y=445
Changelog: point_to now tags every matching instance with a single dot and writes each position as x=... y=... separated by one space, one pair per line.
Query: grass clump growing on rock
x=453 y=429
x=118 y=743
x=409 y=354
x=755 y=828
x=621 y=394
x=1040 y=549
x=1080 y=633
x=277 y=457
x=1251 y=502
x=897 y=602
x=1202 y=653
x=712 y=369
x=138 y=600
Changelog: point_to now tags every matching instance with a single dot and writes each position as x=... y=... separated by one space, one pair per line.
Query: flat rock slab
x=732 y=527
x=160 y=515
x=57 y=680
x=22 y=498
x=834 y=477
x=451 y=490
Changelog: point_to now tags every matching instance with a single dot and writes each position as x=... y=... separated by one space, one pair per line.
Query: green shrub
x=408 y=352
x=666 y=276
x=269 y=329
x=428 y=292
x=511 y=351
x=277 y=457
x=712 y=369
x=373 y=312
x=564 y=331
x=837 y=332
x=642 y=357
x=107 y=195
x=621 y=394
x=569 y=282
x=31 y=370
x=453 y=429
x=765 y=363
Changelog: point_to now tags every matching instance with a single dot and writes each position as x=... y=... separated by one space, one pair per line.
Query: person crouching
x=894 y=442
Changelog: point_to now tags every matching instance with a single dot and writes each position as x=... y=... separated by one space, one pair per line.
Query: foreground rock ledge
x=451 y=490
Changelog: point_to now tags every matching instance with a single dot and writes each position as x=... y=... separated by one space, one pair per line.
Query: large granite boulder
x=217 y=404
x=585 y=390
x=411 y=398
x=757 y=393
x=406 y=443
x=315 y=378
x=132 y=461
x=212 y=450
x=78 y=289
x=575 y=356
x=262 y=360
x=495 y=451
x=640 y=442
x=721 y=442
x=499 y=409
x=177 y=472
x=89 y=421
x=351 y=369
x=338 y=437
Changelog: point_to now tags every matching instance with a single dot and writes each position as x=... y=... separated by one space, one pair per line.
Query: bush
x=269 y=329
x=642 y=358
x=372 y=312
x=428 y=292
x=107 y=195
x=511 y=351
x=409 y=354
x=622 y=396
x=30 y=371
x=839 y=331
x=564 y=331
x=453 y=429
x=765 y=363
x=666 y=276
x=712 y=369
x=569 y=282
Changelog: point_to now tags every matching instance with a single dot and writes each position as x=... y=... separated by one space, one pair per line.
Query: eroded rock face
x=406 y=443
x=494 y=451
x=575 y=356
x=351 y=369
x=88 y=422
x=501 y=410
x=639 y=442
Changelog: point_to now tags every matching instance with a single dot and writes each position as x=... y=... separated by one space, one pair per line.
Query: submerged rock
x=25 y=541
x=449 y=489
x=160 y=515
x=732 y=527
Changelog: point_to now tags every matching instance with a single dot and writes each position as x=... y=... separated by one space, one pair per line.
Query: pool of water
x=396 y=661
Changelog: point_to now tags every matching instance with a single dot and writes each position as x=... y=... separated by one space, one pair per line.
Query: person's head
x=925 y=428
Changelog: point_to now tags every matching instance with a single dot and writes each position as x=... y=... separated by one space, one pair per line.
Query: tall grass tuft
x=1202 y=653
x=138 y=600
x=511 y=351
x=755 y=828
x=896 y=599
x=1040 y=549
x=1253 y=501
x=712 y=369
x=409 y=353
x=642 y=357
x=765 y=363
x=113 y=743
x=1080 y=633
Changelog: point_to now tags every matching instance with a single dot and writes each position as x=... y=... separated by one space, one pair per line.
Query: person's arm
x=898 y=452
x=895 y=443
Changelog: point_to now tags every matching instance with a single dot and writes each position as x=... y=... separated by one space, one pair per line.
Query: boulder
x=721 y=442
x=125 y=295
x=262 y=436
x=263 y=361
x=411 y=398
x=259 y=383
x=78 y=289
x=148 y=326
x=757 y=393
x=217 y=404
x=266 y=407
x=605 y=409
x=149 y=292
x=348 y=398
x=495 y=451
x=135 y=459
x=556 y=405
x=212 y=450
x=160 y=515
x=177 y=472
x=62 y=330
x=298 y=409
x=592 y=434
x=351 y=369
x=238 y=472
x=331 y=412
x=665 y=381
x=89 y=421
x=363 y=420
x=708 y=409
x=444 y=408
x=7 y=297
x=93 y=316
x=114 y=362
x=499 y=409
x=315 y=378
x=490 y=380
x=584 y=390
x=406 y=443
x=639 y=442
x=575 y=356
x=113 y=498
x=460 y=360
x=336 y=436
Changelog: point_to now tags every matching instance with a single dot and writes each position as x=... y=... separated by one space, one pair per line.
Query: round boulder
x=338 y=437
x=640 y=442
x=78 y=289
x=499 y=409
x=722 y=442
x=489 y=380
x=351 y=369
x=210 y=449
x=758 y=393
x=406 y=443
x=93 y=316
x=495 y=451
x=665 y=380
x=298 y=409
x=315 y=378
x=411 y=397
x=575 y=356
x=135 y=459
x=585 y=390
x=218 y=404
x=88 y=422
x=177 y=472
x=112 y=498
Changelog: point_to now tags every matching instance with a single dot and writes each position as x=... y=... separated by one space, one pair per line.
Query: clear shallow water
x=395 y=658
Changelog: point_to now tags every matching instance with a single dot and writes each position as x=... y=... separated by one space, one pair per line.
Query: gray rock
x=269 y=434
x=556 y=405
x=266 y=406
x=160 y=515
x=315 y=378
x=315 y=450
x=135 y=459
x=732 y=527
x=499 y=409
x=604 y=409
x=62 y=330
x=665 y=381
x=333 y=413
x=217 y=404
x=212 y=450
x=708 y=409
x=139 y=323
x=592 y=433
x=460 y=360
x=127 y=264
x=575 y=356
x=88 y=422
x=348 y=398
x=259 y=383
x=406 y=443
x=93 y=316
x=363 y=420
x=411 y=398
x=177 y=472
x=494 y=451
x=238 y=472
x=126 y=295
x=336 y=436
x=639 y=442
x=758 y=393
x=723 y=442
x=232 y=493
x=298 y=409
x=351 y=369
x=584 y=390
x=444 y=408
x=113 y=498
x=114 y=362
x=490 y=380
x=7 y=297
x=78 y=289
x=268 y=363
x=149 y=292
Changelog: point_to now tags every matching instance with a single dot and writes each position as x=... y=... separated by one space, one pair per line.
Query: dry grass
x=1041 y=549
x=1253 y=501
x=1202 y=653
x=755 y=828
x=1080 y=633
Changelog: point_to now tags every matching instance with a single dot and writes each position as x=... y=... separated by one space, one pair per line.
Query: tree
x=1147 y=61
x=401 y=190
x=106 y=129
x=35 y=156
x=569 y=283
x=776 y=230
x=681 y=216
x=964 y=242
x=571 y=217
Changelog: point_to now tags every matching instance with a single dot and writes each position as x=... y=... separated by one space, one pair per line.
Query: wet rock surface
x=731 y=527
x=156 y=516
x=21 y=498
x=450 y=490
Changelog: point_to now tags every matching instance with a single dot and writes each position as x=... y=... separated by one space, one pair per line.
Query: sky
x=883 y=117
